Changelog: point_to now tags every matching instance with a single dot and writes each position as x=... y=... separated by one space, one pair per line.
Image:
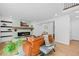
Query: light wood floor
x=66 y=50
x=1 y=48
x=61 y=49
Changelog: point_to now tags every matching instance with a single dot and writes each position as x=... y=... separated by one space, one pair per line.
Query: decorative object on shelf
x=23 y=24
x=15 y=30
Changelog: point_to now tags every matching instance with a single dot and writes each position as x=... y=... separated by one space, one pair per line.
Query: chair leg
x=54 y=50
x=42 y=54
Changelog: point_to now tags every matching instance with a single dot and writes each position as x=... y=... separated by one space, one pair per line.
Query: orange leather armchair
x=32 y=46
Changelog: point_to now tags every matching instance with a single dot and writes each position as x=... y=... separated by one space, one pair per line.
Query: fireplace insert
x=23 y=33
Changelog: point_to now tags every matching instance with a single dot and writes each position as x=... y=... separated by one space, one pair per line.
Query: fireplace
x=23 y=33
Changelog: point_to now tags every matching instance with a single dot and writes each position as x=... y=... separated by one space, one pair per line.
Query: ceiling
x=74 y=16
x=31 y=11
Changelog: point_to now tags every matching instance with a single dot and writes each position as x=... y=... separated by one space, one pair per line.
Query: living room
x=39 y=29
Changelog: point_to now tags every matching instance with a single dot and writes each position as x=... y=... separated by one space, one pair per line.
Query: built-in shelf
x=23 y=28
x=6 y=36
x=6 y=21
x=16 y=28
x=6 y=31
x=6 y=26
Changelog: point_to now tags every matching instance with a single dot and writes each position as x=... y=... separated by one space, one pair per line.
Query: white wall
x=39 y=28
x=75 y=29
x=62 y=29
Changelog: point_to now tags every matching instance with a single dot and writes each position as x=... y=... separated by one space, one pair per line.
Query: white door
x=62 y=30
x=50 y=28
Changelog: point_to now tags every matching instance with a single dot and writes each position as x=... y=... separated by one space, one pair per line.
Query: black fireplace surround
x=23 y=33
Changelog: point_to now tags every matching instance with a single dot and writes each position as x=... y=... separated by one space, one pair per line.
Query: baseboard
x=62 y=42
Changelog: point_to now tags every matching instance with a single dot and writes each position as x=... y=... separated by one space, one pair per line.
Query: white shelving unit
x=7 y=27
x=6 y=31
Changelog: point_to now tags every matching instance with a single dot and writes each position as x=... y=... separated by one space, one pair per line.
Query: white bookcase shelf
x=6 y=31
